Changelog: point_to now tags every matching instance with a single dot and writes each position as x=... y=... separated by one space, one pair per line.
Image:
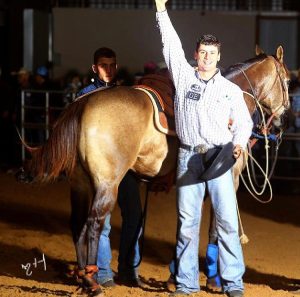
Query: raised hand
x=160 y=5
x=237 y=150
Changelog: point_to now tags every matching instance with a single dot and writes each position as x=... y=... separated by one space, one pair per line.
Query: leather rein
x=266 y=126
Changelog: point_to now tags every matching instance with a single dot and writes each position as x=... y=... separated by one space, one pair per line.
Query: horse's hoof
x=171 y=284
x=23 y=177
x=96 y=293
x=214 y=284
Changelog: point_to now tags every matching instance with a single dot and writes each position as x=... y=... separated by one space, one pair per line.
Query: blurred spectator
x=124 y=77
x=72 y=86
x=24 y=79
x=163 y=69
x=150 y=68
x=294 y=127
x=37 y=113
x=41 y=79
x=88 y=78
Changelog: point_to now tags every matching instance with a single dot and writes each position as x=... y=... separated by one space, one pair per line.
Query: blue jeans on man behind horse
x=190 y=194
x=104 y=254
x=131 y=212
x=129 y=254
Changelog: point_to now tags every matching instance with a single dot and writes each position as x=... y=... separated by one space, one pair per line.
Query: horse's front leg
x=213 y=281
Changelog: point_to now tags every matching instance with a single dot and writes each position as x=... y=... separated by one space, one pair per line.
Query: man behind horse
x=204 y=103
x=105 y=70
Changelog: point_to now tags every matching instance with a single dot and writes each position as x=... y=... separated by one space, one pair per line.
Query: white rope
x=243 y=237
x=267 y=181
x=265 y=172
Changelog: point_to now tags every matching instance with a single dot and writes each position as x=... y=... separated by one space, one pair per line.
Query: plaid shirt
x=203 y=109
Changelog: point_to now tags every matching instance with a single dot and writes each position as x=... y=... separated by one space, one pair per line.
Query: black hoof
x=23 y=177
x=96 y=293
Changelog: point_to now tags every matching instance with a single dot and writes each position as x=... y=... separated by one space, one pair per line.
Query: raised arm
x=172 y=48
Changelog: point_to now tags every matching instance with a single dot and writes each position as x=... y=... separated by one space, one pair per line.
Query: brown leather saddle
x=160 y=90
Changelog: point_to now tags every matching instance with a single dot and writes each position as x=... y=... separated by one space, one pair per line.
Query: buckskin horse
x=103 y=134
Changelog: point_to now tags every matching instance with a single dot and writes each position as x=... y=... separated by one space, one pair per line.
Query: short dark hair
x=103 y=52
x=208 y=39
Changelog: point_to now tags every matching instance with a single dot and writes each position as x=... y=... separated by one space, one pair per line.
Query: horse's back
x=118 y=133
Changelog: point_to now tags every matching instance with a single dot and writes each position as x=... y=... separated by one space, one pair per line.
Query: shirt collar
x=216 y=76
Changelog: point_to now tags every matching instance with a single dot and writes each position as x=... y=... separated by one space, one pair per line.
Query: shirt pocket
x=222 y=108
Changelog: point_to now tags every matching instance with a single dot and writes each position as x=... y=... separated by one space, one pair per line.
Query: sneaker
x=131 y=282
x=178 y=293
x=171 y=283
x=235 y=293
x=108 y=284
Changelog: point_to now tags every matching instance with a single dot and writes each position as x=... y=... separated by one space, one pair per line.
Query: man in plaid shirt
x=204 y=103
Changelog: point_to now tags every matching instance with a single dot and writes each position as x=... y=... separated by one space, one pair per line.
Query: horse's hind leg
x=213 y=281
x=103 y=203
x=81 y=199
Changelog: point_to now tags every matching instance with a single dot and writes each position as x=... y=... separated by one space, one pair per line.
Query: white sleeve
x=172 y=49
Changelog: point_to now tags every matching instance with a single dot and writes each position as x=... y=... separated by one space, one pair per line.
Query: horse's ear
x=279 y=53
x=258 y=50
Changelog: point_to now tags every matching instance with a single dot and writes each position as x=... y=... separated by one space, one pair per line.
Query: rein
x=266 y=126
x=283 y=88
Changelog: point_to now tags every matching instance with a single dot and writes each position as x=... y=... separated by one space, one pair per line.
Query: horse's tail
x=59 y=153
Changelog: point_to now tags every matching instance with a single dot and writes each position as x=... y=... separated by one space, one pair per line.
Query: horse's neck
x=250 y=102
x=239 y=80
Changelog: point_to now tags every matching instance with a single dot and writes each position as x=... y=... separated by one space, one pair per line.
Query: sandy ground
x=34 y=223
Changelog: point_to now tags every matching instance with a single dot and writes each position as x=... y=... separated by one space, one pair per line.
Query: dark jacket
x=97 y=84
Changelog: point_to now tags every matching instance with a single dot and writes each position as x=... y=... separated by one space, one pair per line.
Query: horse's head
x=264 y=79
x=273 y=93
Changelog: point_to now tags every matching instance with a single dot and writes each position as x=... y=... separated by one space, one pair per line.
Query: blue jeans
x=104 y=253
x=131 y=212
x=190 y=194
x=129 y=255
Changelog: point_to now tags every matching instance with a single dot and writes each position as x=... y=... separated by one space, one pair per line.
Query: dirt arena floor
x=36 y=245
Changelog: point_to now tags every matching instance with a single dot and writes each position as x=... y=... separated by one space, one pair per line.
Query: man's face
x=207 y=58
x=106 y=69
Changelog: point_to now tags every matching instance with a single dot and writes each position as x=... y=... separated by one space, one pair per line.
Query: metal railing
x=39 y=110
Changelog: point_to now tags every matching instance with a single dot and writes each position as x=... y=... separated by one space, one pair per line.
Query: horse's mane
x=235 y=69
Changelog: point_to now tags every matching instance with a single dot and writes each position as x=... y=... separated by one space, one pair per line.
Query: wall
x=35 y=41
x=134 y=36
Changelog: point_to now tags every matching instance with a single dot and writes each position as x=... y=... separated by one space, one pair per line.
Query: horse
x=105 y=133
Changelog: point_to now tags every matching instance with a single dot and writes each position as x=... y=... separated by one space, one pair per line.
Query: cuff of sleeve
x=243 y=144
x=161 y=13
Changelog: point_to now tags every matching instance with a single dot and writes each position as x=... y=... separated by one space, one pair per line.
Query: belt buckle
x=201 y=149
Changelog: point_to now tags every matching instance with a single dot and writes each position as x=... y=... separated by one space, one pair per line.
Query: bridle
x=259 y=101
x=264 y=130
